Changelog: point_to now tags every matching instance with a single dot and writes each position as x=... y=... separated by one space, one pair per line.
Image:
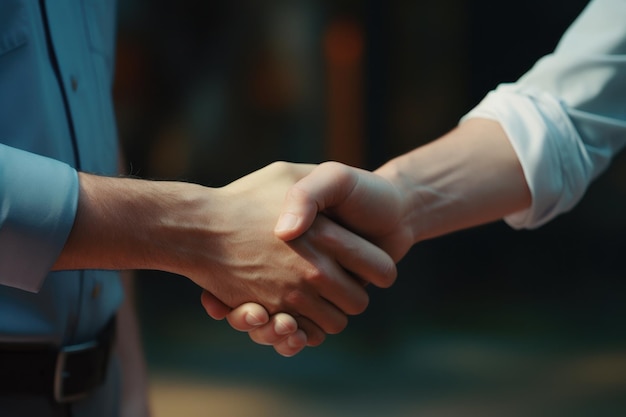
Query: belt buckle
x=63 y=372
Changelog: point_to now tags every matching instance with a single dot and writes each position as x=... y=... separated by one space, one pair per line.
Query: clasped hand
x=306 y=271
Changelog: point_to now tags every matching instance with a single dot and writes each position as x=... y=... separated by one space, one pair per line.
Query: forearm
x=469 y=177
x=124 y=223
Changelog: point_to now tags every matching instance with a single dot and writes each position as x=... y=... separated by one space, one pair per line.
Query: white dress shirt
x=566 y=117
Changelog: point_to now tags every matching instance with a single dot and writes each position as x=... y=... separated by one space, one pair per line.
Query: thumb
x=327 y=186
x=298 y=213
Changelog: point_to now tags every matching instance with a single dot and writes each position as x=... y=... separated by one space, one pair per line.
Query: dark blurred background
x=483 y=322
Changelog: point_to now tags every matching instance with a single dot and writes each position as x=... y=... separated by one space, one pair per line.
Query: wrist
x=401 y=177
x=179 y=228
x=468 y=177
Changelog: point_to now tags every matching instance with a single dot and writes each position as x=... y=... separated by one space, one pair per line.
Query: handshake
x=285 y=252
x=300 y=243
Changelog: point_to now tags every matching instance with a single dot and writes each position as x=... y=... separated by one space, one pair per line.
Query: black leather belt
x=65 y=375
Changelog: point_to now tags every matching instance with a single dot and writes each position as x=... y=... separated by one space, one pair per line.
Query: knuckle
x=326 y=234
x=295 y=297
x=316 y=276
x=389 y=274
x=278 y=165
x=298 y=194
x=382 y=272
x=334 y=167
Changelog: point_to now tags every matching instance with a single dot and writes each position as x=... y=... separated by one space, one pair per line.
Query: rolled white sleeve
x=38 y=200
x=566 y=117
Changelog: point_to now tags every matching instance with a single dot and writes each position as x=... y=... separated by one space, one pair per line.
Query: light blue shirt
x=56 y=117
x=566 y=117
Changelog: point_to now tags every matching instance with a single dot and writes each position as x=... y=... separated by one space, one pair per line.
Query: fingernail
x=281 y=328
x=253 y=320
x=286 y=221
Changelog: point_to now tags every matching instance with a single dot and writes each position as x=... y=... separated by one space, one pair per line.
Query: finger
x=213 y=306
x=292 y=345
x=247 y=317
x=361 y=258
x=339 y=292
x=314 y=334
x=323 y=313
x=279 y=328
x=328 y=184
x=330 y=280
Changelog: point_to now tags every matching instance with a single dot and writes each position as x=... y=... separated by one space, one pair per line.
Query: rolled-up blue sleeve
x=38 y=200
x=566 y=117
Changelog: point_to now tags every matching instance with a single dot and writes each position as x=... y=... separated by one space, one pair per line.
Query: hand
x=281 y=330
x=306 y=277
x=362 y=201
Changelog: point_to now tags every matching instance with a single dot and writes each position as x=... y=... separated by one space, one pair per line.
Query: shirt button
x=95 y=292
x=74 y=83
